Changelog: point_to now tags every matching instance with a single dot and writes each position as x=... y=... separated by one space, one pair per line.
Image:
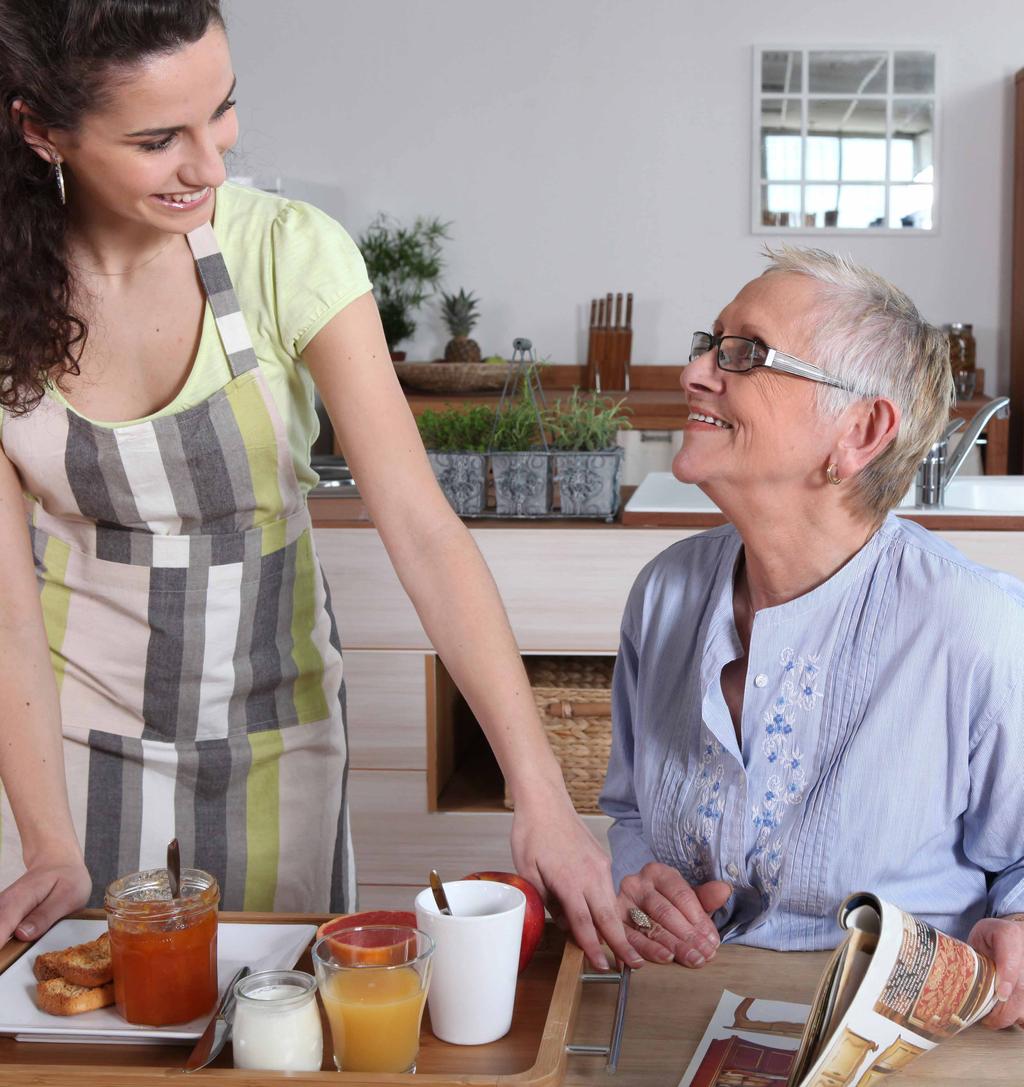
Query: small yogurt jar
x=277 y=1022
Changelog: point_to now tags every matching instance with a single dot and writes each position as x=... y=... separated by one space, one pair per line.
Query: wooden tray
x=532 y=1054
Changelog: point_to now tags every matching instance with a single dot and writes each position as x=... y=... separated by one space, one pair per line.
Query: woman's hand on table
x=51 y=888
x=682 y=929
x=554 y=850
x=1002 y=940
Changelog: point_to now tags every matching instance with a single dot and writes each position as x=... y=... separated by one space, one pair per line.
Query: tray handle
x=614 y=1046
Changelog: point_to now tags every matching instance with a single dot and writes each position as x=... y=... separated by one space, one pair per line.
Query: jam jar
x=164 y=949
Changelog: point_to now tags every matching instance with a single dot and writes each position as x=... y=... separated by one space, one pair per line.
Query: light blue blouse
x=883 y=738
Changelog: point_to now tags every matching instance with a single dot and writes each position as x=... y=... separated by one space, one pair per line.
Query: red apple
x=533 y=919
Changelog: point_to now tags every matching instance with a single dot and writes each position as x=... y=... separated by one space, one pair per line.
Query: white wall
x=582 y=146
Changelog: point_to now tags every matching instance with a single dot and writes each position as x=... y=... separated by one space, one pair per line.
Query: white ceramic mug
x=476 y=959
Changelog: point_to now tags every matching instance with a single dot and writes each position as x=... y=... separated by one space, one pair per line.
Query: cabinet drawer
x=387 y=709
x=397 y=841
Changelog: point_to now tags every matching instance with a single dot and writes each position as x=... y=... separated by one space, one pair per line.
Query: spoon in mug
x=174 y=868
x=439 y=896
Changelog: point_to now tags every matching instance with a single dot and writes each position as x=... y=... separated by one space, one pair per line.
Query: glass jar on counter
x=163 y=949
x=277 y=1022
x=962 y=346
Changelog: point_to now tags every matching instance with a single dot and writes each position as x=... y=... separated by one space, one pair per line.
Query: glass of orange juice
x=373 y=980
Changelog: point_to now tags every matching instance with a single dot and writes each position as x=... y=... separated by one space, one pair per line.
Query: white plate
x=260 y=947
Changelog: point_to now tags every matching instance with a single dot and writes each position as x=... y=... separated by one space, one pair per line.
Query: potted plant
x=405 y=265
x=588 y=463
x=456 y=441
x=522 y=471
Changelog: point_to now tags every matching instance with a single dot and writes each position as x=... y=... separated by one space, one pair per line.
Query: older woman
x=818 y=697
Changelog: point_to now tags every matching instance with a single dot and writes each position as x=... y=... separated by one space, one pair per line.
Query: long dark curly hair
x=57 y=56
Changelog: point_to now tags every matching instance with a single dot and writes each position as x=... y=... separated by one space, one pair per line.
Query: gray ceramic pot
x=589 y=482
x=463 y=478
x=522 y=483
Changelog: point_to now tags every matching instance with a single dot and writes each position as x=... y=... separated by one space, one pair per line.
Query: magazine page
x=916 y=988
x=747 y=1041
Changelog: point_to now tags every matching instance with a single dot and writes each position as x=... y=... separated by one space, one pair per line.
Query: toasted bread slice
x=87 y=965
x=45 y=966
x=59 y=997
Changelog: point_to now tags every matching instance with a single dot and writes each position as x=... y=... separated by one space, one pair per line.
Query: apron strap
x=220 y=292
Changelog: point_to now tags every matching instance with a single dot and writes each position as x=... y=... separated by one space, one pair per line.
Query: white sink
x=661 y=492
x=989 y=496
x=992 y=496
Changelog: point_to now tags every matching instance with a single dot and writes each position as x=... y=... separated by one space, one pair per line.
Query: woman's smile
x=183 y=201
x=704 y=420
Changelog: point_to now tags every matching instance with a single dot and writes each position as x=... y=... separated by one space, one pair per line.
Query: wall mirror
x=844 y=140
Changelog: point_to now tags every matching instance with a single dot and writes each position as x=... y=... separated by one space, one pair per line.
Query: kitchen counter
x=331 y=512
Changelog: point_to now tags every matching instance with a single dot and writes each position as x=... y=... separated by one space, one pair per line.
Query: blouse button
x=731 y=870
x=760 y=680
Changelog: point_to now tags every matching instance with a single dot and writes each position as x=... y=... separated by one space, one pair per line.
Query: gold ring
x=640 y=919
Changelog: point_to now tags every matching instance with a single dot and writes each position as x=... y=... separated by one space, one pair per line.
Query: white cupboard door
x=387 y=709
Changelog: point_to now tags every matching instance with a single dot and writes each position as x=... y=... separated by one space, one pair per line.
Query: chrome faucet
x=939 y=467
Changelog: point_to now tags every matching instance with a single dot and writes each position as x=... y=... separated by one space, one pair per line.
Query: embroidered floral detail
x=785 y=787
x=699 y=823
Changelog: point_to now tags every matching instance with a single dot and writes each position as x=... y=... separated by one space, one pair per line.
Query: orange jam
x=164 y=950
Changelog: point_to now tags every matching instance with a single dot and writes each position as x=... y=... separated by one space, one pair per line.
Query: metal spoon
x=174 y=868
x=439 y=896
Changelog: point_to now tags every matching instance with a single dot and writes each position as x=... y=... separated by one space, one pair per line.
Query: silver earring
x=59 y=173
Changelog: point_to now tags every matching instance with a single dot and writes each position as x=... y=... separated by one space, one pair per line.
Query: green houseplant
x=405 y=266
x=588 y=463
x=519 y=456
x=456 y=440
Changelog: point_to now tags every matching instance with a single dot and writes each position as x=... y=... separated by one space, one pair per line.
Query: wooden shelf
x=462 y=772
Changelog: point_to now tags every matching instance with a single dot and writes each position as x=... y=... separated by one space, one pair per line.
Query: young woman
x=166 y=631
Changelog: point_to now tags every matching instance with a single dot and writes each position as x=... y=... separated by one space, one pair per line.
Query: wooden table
x=670 y=1007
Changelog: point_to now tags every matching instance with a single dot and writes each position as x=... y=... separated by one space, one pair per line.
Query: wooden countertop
x=669 y=1008
x=649 y=409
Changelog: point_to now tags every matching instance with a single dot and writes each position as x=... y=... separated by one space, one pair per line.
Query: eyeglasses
x=738 y=355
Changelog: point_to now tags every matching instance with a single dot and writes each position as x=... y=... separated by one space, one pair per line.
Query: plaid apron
x=191 y=635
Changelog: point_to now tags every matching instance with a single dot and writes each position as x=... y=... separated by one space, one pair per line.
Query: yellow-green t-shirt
x=293 y=268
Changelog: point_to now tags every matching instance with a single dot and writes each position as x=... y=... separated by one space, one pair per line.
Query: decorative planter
x=522 y=483
x=463 y=478
x=589 y=482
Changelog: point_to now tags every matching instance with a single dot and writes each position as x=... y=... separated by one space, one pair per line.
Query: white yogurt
x=277 y=1023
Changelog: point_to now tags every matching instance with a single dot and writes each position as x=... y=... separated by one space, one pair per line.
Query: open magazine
x=893 y=989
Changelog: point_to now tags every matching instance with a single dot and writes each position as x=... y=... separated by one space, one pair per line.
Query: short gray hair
x=872 y=336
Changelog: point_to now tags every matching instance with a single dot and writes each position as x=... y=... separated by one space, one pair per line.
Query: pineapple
x=459 y=312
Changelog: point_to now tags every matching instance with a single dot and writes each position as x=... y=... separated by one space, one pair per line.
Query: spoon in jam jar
x=174 y=868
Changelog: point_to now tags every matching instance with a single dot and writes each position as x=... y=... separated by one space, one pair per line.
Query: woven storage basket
x=573 y=696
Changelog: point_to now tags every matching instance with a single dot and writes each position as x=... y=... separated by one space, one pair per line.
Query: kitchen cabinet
x=564 y=587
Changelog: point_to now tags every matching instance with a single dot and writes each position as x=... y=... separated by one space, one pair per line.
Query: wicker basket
x=573 y=696
x=452 y=377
